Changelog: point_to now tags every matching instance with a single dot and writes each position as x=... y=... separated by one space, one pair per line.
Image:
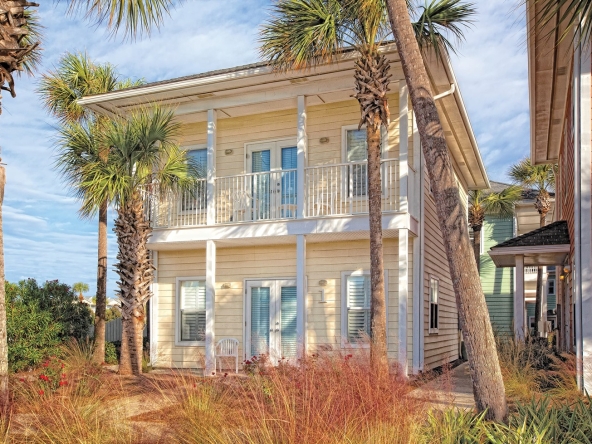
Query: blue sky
x=45 y=238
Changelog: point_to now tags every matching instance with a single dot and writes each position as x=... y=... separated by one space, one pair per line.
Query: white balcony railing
x=174 y=210
x=531 y=270
x=342 y=189
x=256 y=196
x=329 y=190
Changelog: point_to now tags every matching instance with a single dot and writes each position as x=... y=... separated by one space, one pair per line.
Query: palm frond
x=440 y=19
x=34 y=36
x=501 y=204
x=539 y=177
x=136 y=17
x=573 y=15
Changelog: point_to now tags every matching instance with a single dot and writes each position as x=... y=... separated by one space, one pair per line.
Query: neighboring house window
x=551 y=286
x=434 y=313
x=192 y=310
x=356 y=301
x=356 y=151
x=197 y=199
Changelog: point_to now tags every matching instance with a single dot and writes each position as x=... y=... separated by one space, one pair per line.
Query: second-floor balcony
x=328 y=191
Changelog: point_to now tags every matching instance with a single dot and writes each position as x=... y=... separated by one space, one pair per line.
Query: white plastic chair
x=226 y=348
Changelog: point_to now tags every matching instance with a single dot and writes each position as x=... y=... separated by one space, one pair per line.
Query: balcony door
x=271 y=319
x=272 y=168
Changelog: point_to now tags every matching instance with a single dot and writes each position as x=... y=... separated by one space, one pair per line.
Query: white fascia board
x=273 y=229
x=538 y=249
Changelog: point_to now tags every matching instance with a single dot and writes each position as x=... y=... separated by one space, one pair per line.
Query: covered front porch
x=543 y=247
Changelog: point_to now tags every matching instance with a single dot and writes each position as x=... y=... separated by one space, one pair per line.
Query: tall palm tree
x=80 y=288
x=304 y=33
x=19 y=50
x=541 y=179
x=488 y=385
x=490 y=203
x=142 y=154
x=74 y=77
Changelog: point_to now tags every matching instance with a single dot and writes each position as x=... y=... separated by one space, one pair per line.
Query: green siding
x=498 y=283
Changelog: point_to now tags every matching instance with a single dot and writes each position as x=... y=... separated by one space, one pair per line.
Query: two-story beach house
x=272 y=246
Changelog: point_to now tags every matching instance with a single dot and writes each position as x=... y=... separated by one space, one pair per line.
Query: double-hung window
x=196 y=199
x=191 y=297
x=434 y=313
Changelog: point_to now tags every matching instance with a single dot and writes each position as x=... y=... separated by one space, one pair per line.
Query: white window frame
x=187 y=148
x=436 y=329
x=549 y=286
x=344 y=275
x=178 y=341
x=482 y=236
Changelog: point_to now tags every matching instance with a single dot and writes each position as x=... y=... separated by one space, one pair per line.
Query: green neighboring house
x=499 y=283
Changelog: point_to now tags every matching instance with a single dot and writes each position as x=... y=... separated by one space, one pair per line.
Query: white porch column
x=519 y=299
x=302 y=149
x=301 y=292
x=211 y=159
x=210 y=311
x=403 y=146
x=544 y=299
x=154 y=313
x=403 y=295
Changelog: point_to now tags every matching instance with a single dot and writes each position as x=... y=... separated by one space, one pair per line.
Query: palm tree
x=80 y=288
x=488 y=385
x=142 y=154
x=19 y=50
x=541 y=179
x=75 y=77
x=573 y=15
x=304 y=33
x=492 y=203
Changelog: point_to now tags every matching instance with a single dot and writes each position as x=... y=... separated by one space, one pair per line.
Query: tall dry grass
x=332 y=398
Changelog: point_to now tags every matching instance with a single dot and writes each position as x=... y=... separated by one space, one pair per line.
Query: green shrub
x=111 y=353
x=33 y=335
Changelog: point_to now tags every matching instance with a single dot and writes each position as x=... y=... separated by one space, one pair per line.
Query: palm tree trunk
x=477 y=246
x=135 y=271
x=538 y=306
x=488 y=386
x=378 y=349
x=3 y=326
x=99 y=352
x=125 y=360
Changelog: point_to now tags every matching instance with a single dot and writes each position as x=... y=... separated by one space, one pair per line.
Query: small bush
x=111 y=356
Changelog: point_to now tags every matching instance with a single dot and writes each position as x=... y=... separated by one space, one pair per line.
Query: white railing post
x=302 y=148
x=211 y=185
x=519 y=299
x=403 y=146
x=403 y=301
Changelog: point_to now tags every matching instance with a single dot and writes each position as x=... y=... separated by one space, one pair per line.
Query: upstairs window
x=196 y=200
x=356 y=151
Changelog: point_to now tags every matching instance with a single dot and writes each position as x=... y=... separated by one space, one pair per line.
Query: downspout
x=446 y=93
x=577 y=210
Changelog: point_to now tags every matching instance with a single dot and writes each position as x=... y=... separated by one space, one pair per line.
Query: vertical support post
x=302 y=149
x=545 y=298
x=403 y=295
x=403 y=146
x=417 y=309
x=210 y=307
x=154 y=313
x=519 y=299
x=301 y=292
x=211 y=159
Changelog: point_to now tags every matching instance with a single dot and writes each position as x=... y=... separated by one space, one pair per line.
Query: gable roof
x=555 y=233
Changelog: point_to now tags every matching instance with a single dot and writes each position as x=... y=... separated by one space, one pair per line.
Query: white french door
x=271 y=319
x=273 y=179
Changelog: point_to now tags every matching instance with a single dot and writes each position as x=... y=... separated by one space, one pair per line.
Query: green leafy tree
x=305 y=33
x=77 y=76
x=540 y=179
x=488 y=384
x=142 y=156
x=491 y=203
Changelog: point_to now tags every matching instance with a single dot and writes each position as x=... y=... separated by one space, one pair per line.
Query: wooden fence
x=113 y=330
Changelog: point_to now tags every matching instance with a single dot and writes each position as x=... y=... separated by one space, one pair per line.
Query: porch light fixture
x=566 y=269
x=324 y=140
x=562 y=277
x=323 y=284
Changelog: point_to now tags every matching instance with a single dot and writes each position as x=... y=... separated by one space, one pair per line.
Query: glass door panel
x=260 y=316
x=288 y=316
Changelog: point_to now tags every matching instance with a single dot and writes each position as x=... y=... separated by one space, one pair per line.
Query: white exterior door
x=271 y=319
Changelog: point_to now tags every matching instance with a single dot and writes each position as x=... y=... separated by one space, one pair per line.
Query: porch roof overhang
x=548 y=245
x=549 y=71
x=256 y=88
